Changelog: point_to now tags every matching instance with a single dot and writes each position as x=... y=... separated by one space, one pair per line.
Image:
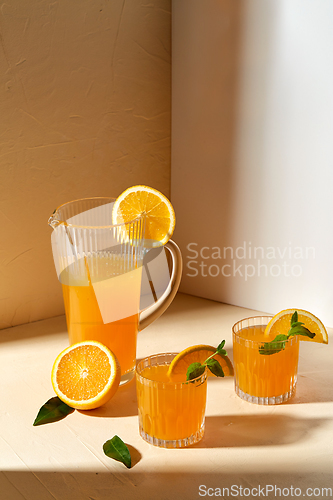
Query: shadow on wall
x=205 y=106
x=216 y=199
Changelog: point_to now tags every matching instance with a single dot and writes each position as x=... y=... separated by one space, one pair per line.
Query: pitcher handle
x=154 y=311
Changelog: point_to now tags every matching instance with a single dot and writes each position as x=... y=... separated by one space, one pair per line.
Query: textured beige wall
x=85 y=111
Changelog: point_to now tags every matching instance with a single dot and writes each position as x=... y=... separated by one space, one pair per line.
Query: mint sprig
x=197 y=369
x=279 y=342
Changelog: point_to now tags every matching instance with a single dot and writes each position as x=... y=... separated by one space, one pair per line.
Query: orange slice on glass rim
x=86 y=375
x=159 y=213
x=280 y=323
x=197 y=353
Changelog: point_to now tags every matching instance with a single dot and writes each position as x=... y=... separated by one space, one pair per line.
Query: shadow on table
x=123 y=404
x=229 y=431
x=311 y=388
x=314 y=388
x=119 y=483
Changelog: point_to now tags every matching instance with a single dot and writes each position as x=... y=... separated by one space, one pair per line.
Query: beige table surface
x=245 y=446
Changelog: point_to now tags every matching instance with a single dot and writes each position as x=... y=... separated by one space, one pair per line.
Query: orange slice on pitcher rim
x=198 y=353
x=159 y=213
x=86 y=375
x=280 y=323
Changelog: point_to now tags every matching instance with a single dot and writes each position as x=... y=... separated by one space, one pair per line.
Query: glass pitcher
x=99 y=266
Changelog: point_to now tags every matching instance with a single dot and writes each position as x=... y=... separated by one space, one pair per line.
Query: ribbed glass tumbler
x=265 y=373
x=171 y=413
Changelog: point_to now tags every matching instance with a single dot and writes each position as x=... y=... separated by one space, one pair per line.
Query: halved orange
x=280 y=323
x=86 y=375
x=197 y=353
x=159 y=213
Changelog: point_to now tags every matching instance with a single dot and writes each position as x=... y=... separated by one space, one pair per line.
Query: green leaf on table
x=116 y=448
x=215 y=367
x=195 y=370
x=52 y=411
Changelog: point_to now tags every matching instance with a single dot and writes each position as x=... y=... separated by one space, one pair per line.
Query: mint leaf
x=116 y=448
x=294 y=318
x=301 y=330
x=52 y=411
x=297 y=327
x=215 y=367
x=195 y=370
x=297 y=323
x=276 y=345
x=220 y=346
x=294 y=325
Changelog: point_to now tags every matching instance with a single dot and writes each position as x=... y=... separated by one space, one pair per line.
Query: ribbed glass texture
x=99 y=265
x=263 y=378
x=83 y=230
x=171 y=414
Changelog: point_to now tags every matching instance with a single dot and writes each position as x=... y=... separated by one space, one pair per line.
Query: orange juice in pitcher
x=106 y=310
x=98 y=250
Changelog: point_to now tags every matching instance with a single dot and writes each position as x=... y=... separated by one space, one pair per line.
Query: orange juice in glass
x=171 y=413
x=263 y=376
